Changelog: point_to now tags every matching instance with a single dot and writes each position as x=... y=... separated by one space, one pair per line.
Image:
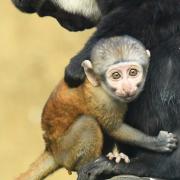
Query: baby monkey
x=74 y=119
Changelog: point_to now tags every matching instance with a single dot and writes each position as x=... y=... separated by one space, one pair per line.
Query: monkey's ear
x=148 y=53
x=88 y=69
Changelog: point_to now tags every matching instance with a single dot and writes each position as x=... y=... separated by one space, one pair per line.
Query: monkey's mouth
x=41 y=7
x=125 y=95
x=127 y=98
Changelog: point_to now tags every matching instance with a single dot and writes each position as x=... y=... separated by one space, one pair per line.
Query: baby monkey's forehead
x=123 y=65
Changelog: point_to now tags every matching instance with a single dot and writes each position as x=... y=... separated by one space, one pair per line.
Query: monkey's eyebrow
x=118 y=61
x=125 y=61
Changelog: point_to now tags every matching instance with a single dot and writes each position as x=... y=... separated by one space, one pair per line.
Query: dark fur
x=157 y=25
x=157 y=108
x=72 y=22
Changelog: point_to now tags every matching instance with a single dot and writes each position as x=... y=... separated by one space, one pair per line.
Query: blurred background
x=33 y=54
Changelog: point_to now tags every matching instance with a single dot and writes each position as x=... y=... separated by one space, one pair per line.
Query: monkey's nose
x=130 y=91
x=128 y=94
x=29 y=6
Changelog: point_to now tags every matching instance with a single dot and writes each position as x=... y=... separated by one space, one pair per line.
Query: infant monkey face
x=125 y=80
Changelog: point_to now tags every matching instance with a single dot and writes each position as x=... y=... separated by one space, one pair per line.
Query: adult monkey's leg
x=146 y=165
x=128 y=177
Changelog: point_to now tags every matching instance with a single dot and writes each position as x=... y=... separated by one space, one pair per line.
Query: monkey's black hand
x=74 y=74
x=99 y=169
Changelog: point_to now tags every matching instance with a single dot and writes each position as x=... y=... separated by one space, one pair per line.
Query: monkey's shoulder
x=61 y=109
x=101 y=105
x=65 y=97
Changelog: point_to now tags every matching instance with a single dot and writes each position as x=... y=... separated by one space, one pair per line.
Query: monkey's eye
x=116 y=75
x=133 y=72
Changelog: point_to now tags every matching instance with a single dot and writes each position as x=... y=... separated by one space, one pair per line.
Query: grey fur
x=115 y=49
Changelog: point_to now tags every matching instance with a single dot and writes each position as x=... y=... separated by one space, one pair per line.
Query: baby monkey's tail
x=41 y=168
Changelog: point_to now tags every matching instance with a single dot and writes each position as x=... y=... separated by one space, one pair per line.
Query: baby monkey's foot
x=118 y=157
x=166 y=142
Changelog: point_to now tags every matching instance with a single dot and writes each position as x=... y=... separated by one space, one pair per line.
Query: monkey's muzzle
x=43 y=8
x=29 y=6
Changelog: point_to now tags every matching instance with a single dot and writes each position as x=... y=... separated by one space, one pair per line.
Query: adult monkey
x=157 y=24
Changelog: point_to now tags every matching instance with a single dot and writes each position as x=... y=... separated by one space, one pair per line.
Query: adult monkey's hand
x=96 y=170
x=74 y=73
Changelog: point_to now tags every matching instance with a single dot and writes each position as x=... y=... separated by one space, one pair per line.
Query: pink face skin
x=125 y=78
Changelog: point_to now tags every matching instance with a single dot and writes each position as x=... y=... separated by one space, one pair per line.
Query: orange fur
x=65 y=105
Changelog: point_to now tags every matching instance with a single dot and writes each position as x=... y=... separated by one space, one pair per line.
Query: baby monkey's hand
x=118 y=157
x=166 y=142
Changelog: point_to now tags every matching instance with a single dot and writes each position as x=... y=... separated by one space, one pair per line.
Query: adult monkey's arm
x=75 y=21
